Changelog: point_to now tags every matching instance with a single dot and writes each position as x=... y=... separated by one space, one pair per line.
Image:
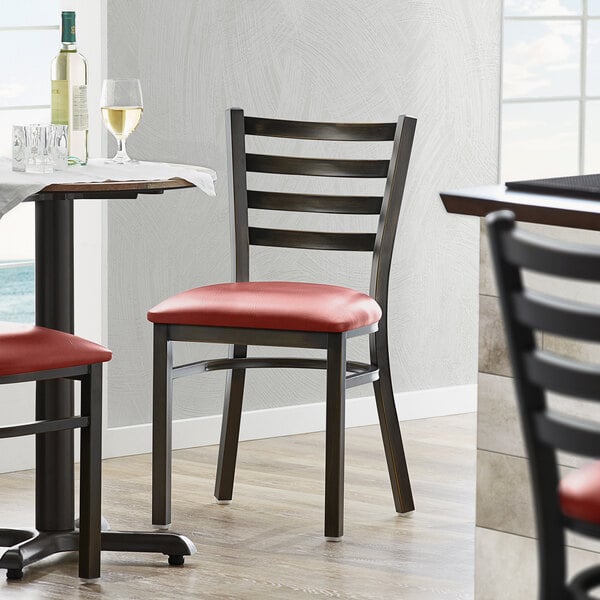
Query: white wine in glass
x=121 y=106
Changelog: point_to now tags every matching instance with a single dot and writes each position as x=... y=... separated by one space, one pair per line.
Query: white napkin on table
x=15 y=187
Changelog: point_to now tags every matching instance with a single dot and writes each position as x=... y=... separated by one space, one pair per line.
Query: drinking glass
x=39 y=148
x=39 y=140
x=121 y=106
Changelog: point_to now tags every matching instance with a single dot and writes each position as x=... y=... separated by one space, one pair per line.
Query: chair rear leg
x=90 y=492
x=335 y=437
x=230 y=428
x=388 y=422
x=162 y=416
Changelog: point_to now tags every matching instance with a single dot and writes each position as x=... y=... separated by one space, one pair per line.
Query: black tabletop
x=547 y=209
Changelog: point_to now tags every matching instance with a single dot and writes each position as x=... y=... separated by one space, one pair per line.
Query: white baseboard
x=291 y=420
x=19 y=453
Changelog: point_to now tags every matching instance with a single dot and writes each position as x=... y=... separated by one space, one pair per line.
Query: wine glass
x=121 y=106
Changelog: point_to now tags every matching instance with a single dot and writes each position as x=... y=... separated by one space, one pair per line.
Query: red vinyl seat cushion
x=579 y=493
x=26 y=349
x=282 y=305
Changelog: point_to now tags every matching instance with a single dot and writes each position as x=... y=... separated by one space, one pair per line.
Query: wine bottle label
x=60 y=102
x=80 y=110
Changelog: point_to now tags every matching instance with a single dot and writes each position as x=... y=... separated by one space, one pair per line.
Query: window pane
x=593 y=58
x=30 y=12
x=594 y=7
x=545 y=8
x=26 y=57
x=539 y=139
x=541 y=58
x=592 y=137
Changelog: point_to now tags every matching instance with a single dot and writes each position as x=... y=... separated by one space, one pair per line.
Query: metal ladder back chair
x=40 y=354
x=290 y=314
x=572 y=502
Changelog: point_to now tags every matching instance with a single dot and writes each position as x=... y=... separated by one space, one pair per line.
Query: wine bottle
x=69 y=91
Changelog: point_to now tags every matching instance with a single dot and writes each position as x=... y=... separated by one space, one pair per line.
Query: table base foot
x=30 y=545
x=26 y=546
x=171 y=544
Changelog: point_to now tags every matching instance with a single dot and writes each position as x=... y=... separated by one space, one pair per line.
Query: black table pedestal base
x=27 y=546
x=54 y=490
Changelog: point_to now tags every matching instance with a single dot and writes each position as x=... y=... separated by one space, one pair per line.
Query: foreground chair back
x=573 y=502
x=292 y=314
x=40 y=354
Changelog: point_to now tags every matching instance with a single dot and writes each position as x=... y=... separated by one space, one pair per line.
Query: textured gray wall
x=345 y=60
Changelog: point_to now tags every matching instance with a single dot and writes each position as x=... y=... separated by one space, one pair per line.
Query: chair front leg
x=90 y=492
x=552 y=555
x=230 y=428
x=335 y=436
x=162 y=417
x=388 y=422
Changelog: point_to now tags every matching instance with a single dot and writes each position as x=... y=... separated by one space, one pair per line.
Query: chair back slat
x=555 y=315
x=319 y=167
x=567 y=433
x=315 y=203
x=394 y=171
x=314 y=240
x=350 y=132
x=551 y=257
x=562 y=375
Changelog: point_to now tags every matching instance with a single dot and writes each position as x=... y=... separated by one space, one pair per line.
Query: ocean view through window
x=17 y=283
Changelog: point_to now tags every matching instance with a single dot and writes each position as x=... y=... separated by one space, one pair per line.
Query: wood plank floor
x=268 y=542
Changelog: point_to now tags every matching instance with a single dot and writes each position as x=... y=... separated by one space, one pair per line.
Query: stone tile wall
x=506 y=561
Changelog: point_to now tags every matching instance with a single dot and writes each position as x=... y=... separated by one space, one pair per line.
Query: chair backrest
x=381 y=242
x=526 y=311
x=537 y=371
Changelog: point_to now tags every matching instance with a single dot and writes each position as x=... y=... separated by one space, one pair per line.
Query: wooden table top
x=118 y=186
x=563 y=211
x=108 y=189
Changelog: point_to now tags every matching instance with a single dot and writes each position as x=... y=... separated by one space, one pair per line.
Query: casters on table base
x=14 y=574
x=176 y=559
